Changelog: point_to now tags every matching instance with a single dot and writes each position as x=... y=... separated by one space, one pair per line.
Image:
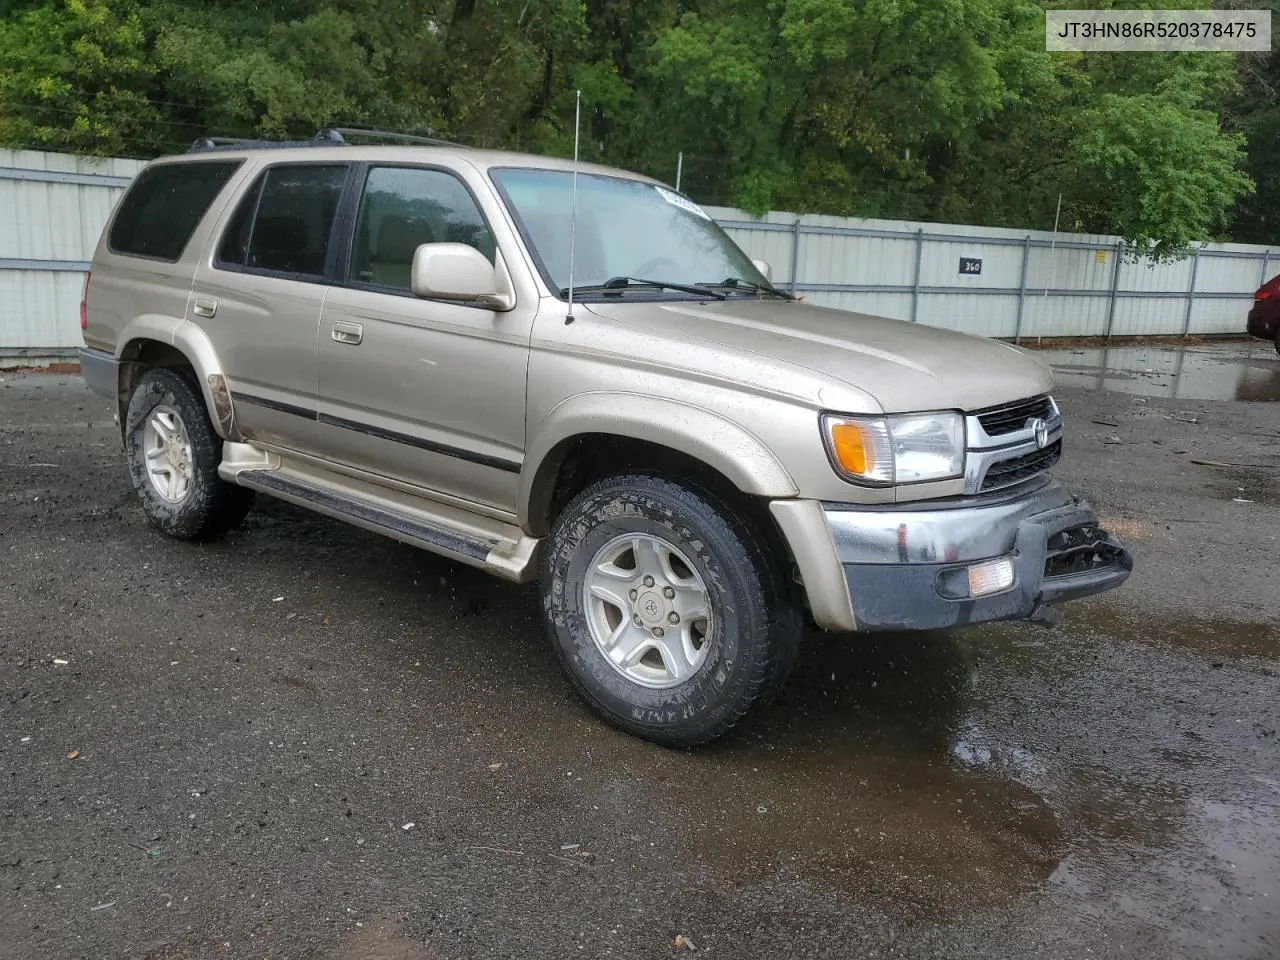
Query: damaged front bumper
x=926 y=565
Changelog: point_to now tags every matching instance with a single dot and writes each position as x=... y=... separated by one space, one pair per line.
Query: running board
x=507 y=558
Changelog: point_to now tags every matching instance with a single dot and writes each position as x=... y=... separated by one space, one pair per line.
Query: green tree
x=1254 y=111
x=1132 y=144
x=928 y=109
x=74 y=76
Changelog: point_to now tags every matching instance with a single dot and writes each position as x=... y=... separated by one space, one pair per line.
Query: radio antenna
x=573 y=203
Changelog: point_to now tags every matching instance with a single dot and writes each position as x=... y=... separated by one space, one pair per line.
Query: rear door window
x=164 y=205
x=235 y=238
x=284 y=224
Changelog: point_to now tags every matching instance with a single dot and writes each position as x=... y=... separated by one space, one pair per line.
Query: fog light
x=990 y=576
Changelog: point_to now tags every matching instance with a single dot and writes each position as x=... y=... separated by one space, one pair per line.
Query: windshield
x=627 y=230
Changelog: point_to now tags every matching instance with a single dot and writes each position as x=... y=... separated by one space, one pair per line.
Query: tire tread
x=217 y=506
x=763 y=575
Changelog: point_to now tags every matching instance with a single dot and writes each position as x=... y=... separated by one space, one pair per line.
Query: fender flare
x=721 y=444
x=192 y=342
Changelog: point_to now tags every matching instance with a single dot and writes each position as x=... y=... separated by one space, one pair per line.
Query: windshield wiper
x=621 y=283
x=737 y=283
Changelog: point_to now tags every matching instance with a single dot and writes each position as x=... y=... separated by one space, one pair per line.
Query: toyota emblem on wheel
x=1040 y=428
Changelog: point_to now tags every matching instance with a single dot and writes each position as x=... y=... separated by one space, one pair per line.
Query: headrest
x=399 y=236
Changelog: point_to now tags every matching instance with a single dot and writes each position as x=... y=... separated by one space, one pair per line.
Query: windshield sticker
x=678 y=201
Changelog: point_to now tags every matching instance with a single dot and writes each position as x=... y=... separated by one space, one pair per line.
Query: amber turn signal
x=854 y=451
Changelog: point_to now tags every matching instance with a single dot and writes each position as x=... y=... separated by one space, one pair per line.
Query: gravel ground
x=306 y=741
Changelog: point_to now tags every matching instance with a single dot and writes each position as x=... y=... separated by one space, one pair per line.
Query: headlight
x=885 y=451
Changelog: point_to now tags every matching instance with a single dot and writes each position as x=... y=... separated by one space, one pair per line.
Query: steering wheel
x=646 y=268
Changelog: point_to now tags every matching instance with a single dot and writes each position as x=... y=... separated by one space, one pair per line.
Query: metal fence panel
x=40 y=310
x=1004 y=282
x=52 y=209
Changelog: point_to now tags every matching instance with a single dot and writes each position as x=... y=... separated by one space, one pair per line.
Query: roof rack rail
x=328 y=137
x=339 y=135
x=205 y=144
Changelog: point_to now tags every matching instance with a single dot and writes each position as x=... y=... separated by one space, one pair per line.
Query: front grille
x=1008 y=472
x=1011 y=416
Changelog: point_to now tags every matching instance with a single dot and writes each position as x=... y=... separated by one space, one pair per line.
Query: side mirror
x=456 y=271
x=763 y=267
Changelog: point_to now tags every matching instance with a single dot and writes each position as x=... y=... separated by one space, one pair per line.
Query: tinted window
x=295 y=213
x=163 y=206
x=403 y=207
x=235 y=241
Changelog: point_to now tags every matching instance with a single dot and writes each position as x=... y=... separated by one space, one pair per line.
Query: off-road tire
x=758 y=620
x=211 y=506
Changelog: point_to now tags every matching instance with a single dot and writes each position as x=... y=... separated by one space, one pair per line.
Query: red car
x=1264 y=318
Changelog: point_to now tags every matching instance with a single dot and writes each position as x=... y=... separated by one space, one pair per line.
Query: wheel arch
x=694 y=434
x=156 y=341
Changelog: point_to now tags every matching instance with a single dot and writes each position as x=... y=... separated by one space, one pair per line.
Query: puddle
x=1229 y=371
x=1211 y=894
x=1224 y=638
x=859 y=780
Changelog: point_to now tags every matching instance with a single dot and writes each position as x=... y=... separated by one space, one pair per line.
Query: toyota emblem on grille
x=1040 y=427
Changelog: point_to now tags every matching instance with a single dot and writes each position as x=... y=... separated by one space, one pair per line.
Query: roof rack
x=204 y=144
x=339 y=135
x=328 y=137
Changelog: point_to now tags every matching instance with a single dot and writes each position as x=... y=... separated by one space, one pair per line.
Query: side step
x=467 y=549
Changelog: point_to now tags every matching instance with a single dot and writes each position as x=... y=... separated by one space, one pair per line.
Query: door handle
x=205 y=307
x=348 y=333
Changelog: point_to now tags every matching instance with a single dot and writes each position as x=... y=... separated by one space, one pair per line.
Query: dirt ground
x=306 y=741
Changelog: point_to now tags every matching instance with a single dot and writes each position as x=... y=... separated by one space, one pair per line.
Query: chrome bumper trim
x=955 y=532
x=894 y=558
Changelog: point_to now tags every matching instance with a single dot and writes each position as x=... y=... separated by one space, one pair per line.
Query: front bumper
x=896 y=559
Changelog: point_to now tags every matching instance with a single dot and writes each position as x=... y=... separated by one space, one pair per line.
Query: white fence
x=1014 y=284
x=994 y=282
x=52 y=209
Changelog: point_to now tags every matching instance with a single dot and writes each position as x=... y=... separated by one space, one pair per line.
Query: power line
x=98 y=112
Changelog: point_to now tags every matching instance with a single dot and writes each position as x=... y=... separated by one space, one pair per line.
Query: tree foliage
x=1254 y=113
x=931 y=109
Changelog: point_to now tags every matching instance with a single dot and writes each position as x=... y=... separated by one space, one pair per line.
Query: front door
x=421 y=391
x=259 y=298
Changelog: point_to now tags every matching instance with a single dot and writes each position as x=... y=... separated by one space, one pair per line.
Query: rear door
x=260 y=294
x=422 y=391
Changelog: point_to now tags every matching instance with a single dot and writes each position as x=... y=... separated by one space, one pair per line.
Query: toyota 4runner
x=691 y=462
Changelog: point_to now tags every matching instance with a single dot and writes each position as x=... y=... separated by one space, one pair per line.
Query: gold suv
x=692 y=462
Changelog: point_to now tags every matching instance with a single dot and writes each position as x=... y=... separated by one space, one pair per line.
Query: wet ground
x=310 y=742
x=1235 y=370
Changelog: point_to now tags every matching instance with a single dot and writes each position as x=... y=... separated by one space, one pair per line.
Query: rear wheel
x=665 y=608
x=173 y=456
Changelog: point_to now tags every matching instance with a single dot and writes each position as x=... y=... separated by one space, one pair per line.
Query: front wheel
x=667 y=610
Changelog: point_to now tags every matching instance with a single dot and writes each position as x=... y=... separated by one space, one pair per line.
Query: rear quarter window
x=164 y=205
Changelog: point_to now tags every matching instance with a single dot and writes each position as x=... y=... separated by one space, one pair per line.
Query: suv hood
x=903 y=366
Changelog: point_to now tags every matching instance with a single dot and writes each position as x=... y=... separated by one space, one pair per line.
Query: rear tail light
x=1269 y=289
x=84 y=304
